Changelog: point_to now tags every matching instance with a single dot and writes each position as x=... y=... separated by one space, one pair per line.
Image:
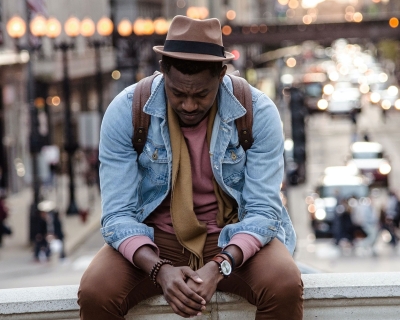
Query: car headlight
x=384 y=168
x=322 y=104
x=320 y=214
x=375 y=97
x=385 y=104
x=397 y=104
x=328 y=89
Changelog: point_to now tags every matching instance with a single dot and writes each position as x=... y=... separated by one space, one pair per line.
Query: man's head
x=192 y=64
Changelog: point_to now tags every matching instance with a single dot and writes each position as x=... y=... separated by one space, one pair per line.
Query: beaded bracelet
x=156 y=268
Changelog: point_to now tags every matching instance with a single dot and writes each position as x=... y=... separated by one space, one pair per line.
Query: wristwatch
x=224 y=266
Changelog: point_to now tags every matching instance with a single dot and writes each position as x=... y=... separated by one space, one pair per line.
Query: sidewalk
x=16 y=255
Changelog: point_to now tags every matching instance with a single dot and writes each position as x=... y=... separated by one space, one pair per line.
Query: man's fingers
x=189 y=273
x=182 y=299
x=184 y=306
x=183 y=310
x=187 y=298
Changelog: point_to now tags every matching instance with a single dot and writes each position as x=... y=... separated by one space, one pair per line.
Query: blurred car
x=322 y=203
x=369 y=158
x=348 y=170
x=312 y=87
x=386 y=98
x=345 y=99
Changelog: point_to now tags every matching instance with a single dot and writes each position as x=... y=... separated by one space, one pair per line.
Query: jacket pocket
x=154 y=163
x=233 y=165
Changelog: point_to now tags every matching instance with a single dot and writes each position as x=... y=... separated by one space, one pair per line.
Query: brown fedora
x=192 y=39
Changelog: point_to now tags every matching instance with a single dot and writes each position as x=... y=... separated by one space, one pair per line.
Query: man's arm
x=261 y=212
x=119 y=174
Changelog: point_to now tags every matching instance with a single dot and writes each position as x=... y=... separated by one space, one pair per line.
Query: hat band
x=194 y=47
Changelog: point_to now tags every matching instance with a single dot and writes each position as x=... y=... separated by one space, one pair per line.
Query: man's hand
x=182 y=299
x=211 y=276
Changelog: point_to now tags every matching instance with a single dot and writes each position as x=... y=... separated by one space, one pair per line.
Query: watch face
x=226 y=268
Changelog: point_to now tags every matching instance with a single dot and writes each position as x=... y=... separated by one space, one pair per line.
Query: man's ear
x=161 y=67
x=222 y=74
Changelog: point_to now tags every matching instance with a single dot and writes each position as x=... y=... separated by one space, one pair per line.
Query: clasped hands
x=188 y=291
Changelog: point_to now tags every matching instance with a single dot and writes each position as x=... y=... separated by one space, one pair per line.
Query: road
x=328 y=142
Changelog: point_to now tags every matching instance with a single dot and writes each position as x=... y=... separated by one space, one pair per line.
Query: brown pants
x=270 y=280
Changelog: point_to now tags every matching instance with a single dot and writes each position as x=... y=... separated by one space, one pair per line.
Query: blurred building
x=46 y=61
x=97 y=73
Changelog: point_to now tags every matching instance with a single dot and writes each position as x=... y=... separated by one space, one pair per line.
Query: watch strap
x=232 y=260
x=219 y=259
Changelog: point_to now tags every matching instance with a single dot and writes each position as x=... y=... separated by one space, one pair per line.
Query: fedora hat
x=192 y=39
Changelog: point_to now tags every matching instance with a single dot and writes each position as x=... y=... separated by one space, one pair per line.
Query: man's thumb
x=189 y=273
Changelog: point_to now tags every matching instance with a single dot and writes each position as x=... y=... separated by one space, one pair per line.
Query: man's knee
x=89 y=295
x=289 y=283
x=286 y=285
x=97 y=295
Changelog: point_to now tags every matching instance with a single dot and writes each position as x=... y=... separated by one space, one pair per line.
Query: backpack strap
x=140 y=119
x=244 y=125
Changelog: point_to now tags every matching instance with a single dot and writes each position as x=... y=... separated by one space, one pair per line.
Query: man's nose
x=189 y=105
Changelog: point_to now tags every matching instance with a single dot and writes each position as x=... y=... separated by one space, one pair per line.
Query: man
x=193 y=205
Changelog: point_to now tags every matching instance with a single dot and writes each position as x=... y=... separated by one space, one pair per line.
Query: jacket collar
x=229 y=108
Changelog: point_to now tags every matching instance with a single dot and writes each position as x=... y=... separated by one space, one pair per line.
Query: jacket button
x=233 y=156
x=155 y=155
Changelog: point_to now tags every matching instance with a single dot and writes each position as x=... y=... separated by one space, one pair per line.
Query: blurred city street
x=328 y=144
x=17 y=265
x=332 y=67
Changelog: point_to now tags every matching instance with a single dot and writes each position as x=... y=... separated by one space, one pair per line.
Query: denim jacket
x=132 y=187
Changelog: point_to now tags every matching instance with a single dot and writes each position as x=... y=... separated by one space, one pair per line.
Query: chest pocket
x=154 y=163
x=233 y=165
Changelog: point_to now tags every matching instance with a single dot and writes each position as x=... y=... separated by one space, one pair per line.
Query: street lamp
x=104 y=28
x=71 y=27
x=16 y=28
x=38 y=26
x=145 y=32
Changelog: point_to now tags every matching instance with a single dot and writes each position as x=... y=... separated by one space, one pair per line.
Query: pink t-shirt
x=204 y=200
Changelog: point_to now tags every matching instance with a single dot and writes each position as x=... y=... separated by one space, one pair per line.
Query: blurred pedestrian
x=392 y=206
x=41 y=248
x=365 y=217
x=4 y=228
x=384 y=115
x=366 y=136
x=58 y=232
x=344 y=225
x=390 y=216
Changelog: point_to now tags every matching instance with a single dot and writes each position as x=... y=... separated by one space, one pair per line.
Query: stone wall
x=361 y=296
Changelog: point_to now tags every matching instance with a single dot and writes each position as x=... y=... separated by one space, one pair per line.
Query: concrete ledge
x=327 y=296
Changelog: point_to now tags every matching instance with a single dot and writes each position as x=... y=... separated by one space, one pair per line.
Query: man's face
x=191 y=96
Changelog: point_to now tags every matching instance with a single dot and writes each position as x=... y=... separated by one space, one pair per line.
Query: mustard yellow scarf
x=191 y=233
